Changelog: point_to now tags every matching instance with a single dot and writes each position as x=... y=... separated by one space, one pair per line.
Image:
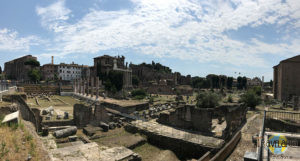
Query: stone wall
x=100 y=114
x=85 y=114
x=235 y=116
x=26 y=112
x=188 y=117
x=59 y=123
x=82 y=115
x=181 y=148
x=160 y=89
x=38 y=89
x=281 y=125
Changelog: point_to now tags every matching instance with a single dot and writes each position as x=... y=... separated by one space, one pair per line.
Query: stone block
x=91 y=130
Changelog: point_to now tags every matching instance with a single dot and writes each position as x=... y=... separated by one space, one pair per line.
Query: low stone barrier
x=228 y=148
x=205 y=157
x=59 y=123
x=183 y=148
x=281 y=125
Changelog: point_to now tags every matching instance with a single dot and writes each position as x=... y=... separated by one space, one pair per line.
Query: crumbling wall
x=38 y=89
x=235 y=116
x=100 y=114
x=160 y=89
x=202 y=119
x=26 y=112
x=82 y=115
x=188 y=117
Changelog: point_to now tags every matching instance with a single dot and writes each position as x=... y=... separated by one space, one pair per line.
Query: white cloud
x=10 y=41
x=54 y=16
x=165 y=28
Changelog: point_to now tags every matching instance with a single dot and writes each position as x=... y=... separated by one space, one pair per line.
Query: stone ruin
x=190 y=117
x=296 y=103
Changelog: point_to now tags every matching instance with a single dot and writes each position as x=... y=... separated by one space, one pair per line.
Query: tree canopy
x=32 y=62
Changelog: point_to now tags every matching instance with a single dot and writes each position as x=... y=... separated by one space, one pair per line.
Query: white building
x=70 y=71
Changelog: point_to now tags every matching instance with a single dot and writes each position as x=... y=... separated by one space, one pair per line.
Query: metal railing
x=284 y=115
x=5 y=84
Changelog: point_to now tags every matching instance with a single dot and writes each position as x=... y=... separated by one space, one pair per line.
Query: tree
x=250 y=99
x=34 y=75
x=244 y=83
x=207 y=100
x=114 y=81
x=239 y=83
x=214 y=80
x=32 y=62
x=135 y=80
x=271 y=83
x=0 y=70
x=229 y=82
x=223 y=79
x=56 y=77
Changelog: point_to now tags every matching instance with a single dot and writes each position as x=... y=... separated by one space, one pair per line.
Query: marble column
x=97 y=88
x=84 y=85
x=74 y=86
x=87 y=86
x=92 y=86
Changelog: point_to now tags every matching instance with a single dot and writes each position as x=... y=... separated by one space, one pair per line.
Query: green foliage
x=229 y=99
x=250 y=99
x=32 y=62
x=135 y=80
x=113 y=81
x=271 y=83
x=151 y=100
x=257 y=90
x=214 y=80
x=35 y=75
x=3 y=150
x=56 y=77
x=199 y=83
x=229 y=82
x=139 y=93
x=207 y=100
x=241 y=83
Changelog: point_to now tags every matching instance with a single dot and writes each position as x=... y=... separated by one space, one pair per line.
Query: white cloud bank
x=10 y=41
x=185 y=29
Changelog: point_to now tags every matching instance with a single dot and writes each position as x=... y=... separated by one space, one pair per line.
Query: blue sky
x=190 y=36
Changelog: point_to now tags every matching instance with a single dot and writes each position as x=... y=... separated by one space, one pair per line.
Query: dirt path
x=252 y=127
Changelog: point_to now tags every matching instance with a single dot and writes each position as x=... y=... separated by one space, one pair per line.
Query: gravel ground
x=252 y=127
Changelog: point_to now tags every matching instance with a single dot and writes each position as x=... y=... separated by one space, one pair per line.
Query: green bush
x=250 y=99
x=208 y=100
x=229 y=99
x=138 y=94
x=257 y=90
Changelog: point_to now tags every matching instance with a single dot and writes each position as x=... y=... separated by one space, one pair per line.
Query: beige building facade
x=286 y=78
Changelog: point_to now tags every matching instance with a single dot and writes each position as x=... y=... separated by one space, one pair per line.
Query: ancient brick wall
x=26 y=112
x=100 y=114
x=82 y=115
x=37 y=89
x=188 y=117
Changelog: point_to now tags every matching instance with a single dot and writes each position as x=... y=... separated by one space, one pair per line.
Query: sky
x=196 y=37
